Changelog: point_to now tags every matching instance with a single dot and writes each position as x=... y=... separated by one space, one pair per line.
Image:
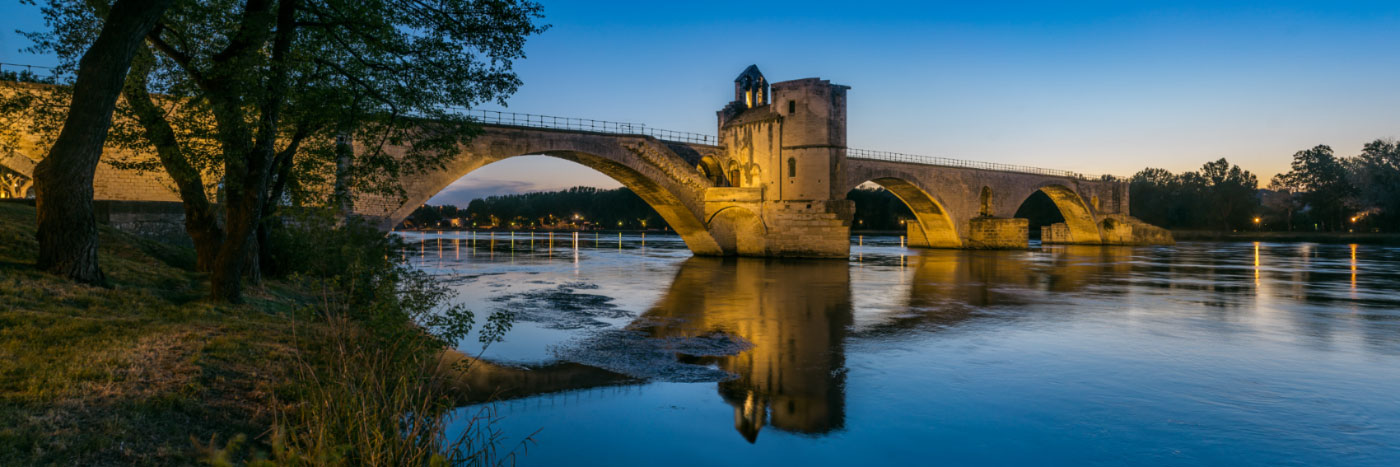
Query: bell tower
x=784 y=162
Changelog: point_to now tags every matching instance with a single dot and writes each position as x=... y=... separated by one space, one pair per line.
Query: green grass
x=128 y=375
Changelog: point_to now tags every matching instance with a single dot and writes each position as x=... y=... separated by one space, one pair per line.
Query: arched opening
x=674 y=214
x=931 y=227
x=1057 y=214
x=1040 y=211
x=984 y=202
x=710 y=167
x=792 y=167
x=738 y=231
x=734 y=177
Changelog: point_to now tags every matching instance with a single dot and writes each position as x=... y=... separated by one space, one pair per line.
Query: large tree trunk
x=201 y=219
x=249 y=166
x=67 y=230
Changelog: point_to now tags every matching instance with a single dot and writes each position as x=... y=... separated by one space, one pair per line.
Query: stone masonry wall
x=993 y=232
x=157 y=220
x=1055 y=233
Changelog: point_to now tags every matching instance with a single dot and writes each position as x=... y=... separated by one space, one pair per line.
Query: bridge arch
x=933 y=222
x=666 y=182
x=1079 y=216
x=739 y=231
x=712 y=170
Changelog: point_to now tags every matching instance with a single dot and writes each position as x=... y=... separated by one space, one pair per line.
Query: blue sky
x=1101 y=87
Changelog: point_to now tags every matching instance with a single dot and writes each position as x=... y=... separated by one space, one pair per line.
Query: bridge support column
x=1057 y=233
x=1119 y=229
x=809 y=229
x=998 y=233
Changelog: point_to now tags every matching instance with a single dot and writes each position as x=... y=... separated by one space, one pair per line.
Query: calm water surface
x=632 y=352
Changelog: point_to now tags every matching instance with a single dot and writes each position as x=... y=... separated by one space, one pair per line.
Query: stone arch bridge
x=691 y=182
x=771 y=183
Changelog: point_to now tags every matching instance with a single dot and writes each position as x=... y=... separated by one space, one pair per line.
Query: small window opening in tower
x=792 y=167
x=748 y=99
x=792 y=107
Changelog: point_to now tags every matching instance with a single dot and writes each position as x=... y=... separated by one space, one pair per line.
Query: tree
x=258 y=101
x=1230 y=193
x=67 y=229
x=1286 y=198
x=1322 y=179
x=1151 y=194
x=1376 y=174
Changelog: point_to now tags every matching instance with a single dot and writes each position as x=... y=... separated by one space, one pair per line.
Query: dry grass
x=147 y=372
x=94 y=376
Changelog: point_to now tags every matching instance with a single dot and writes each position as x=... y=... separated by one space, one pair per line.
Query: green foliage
x=26 y=76
x=262 y=100
x=1376 y=174
x=375 y=390
x=1324 y=185
x=1219 y=196
x=1321 y=192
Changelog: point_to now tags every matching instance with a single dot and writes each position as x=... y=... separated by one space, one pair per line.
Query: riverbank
x=148 y=371
x=1288 y=237
x=135 y=373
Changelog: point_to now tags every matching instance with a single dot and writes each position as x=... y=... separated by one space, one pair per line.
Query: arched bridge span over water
x=771 y=182
x=718 y=203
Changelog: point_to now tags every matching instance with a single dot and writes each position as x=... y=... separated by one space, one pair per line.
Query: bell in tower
x=751 y=88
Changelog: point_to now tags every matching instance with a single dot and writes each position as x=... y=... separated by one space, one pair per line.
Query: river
x=629 y=351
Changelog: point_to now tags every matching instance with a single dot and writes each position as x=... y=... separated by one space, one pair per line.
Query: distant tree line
x=1218 y=196
x=878 y=209
x=1321 y=192
x=577 y=207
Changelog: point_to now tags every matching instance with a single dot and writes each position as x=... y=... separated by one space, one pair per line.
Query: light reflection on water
x=1254 y=353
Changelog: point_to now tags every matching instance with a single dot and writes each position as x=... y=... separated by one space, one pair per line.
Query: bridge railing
x=28 y=73
x=586 y=124
x=867 y=154
x=498 y=117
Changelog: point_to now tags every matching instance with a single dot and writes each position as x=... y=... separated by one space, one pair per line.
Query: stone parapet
x=157 y=220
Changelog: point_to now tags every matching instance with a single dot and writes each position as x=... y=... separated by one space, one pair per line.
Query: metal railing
x=28 y=73
x=496 y=117
x=887 y=156
x=45 y=70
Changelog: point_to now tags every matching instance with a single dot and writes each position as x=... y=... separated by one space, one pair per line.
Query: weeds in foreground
x=368 y=355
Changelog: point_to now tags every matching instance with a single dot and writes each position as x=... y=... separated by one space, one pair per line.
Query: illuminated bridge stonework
x=772 y=183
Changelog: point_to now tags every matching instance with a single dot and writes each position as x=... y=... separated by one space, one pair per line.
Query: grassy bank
x=340 y=364
x=1312 y=237
x=132 y=373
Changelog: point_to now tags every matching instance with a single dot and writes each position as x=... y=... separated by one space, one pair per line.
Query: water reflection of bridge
x=798 y=316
